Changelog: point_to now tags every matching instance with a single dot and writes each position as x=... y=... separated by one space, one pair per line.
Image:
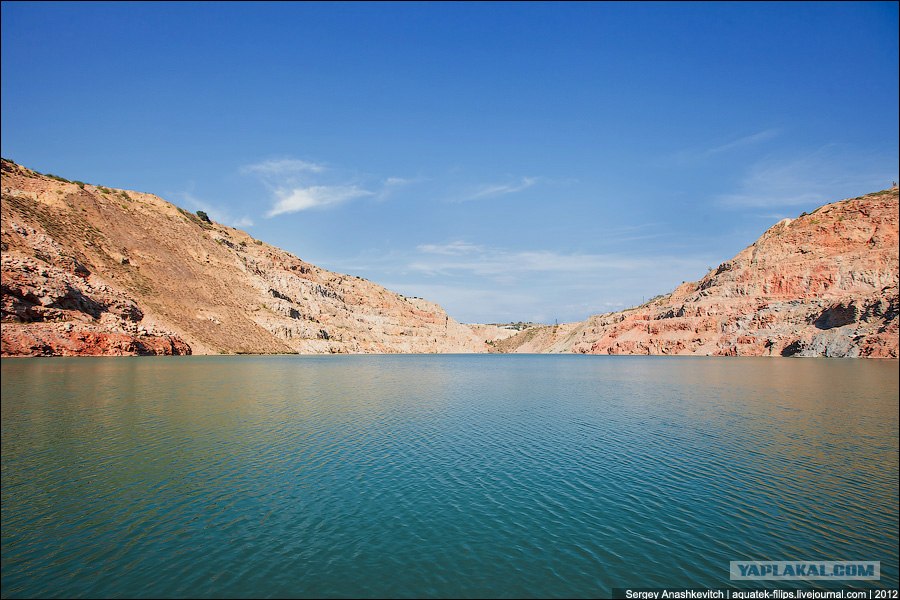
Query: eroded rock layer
x=824 y=284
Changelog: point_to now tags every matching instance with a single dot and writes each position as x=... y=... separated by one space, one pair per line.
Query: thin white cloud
x=496 y=285
x=774 y=217
x=491 y=190
x=297 y=185
x=492 y=262
x=242 y=222
x=826 y=175
x=484 y=284
x=451 y=249
x=747 y=140
x=693 y=156
x=478 y=304
x=390 y=185
x=216 y=213
x=775 y=184
x=283 y=166
x=290 y=200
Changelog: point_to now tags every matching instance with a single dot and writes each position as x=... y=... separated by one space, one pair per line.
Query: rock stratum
x=89 y=270
x=824 y=284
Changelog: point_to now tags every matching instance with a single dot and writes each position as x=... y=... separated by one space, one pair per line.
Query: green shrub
x=203 y=216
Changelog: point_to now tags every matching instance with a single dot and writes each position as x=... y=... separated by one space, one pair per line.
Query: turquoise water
x=499 y=476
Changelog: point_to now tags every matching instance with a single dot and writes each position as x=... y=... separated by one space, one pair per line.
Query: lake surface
x=438 y=475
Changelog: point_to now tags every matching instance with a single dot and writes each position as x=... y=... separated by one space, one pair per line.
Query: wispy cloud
x=242 y=222
x=482 y=283
x=478 y=283
x=298 y=185
x=283 y=166
x=747 y=140
x=317 y=196
x=490 y=190
x=216 y=213
x=451 y=249
x=493 y=262
x=390 y=185
x=825 y=175
x=693 y=156
x=476 y=303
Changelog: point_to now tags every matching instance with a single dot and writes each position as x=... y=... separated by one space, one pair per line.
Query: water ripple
x=458 y=476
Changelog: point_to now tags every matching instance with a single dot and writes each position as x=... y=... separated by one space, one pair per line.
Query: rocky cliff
x=92 y=270
x=824 y=284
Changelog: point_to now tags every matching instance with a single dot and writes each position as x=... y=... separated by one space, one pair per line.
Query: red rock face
x=824 y=284
x=49 y=340
x=48 y=311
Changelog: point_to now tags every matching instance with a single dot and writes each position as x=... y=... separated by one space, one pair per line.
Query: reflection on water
x=438 y=475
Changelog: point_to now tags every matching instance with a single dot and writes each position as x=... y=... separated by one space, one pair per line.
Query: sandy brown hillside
x=92 y=270
x=824 y=284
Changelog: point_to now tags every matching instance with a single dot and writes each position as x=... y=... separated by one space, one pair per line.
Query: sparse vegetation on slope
x=193 y=280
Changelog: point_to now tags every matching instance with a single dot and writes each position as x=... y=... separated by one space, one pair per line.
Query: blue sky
x=533 y=161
